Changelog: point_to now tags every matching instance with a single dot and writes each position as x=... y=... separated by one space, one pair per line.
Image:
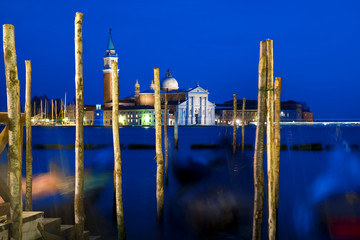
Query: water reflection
x=331 y=209
x=210 y=192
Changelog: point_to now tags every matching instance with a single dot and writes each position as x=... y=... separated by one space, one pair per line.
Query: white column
x=206 y=112
x=193 y=111
x=188 y=111
x=202 y=110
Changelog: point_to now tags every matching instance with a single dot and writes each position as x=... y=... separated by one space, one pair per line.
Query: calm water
x=210 y=192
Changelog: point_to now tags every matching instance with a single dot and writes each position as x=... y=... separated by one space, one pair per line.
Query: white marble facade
x=196 y=110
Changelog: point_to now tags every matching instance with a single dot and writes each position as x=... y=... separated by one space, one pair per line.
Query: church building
x=192 y=104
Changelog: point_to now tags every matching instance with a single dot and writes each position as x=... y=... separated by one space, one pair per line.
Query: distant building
x=225 y=112
x=89 y=114
x=98 y=116
x=290 y=111
x=134 y=116
x=192 y=103
x=307 y=116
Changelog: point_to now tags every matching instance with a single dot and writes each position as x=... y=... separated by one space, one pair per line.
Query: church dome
x=169 y=83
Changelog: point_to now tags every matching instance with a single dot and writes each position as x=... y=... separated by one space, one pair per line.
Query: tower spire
x=110 y=45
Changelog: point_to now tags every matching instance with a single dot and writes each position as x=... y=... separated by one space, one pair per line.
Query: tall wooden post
x=166 y=143
x=243 y=125
x=117 y=154
x=270 y=150
x=56 y=110
x=29 y=159
x=52 y=110
x=79 y=143
x=159 y=155
x=65 y=113
x=259 y=147
x=277 y=139
x=45 y=109
x=14 y=155
x=234 y=123
x=176 y=131
x=41 y=109
x=61 y=110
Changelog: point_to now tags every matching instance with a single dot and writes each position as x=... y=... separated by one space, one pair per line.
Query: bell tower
x=137 y=92
x=109 y=57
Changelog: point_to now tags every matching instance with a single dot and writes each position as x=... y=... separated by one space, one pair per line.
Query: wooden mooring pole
x=56 y=110
x=61 y=111
x=243 y=126
x=41 y=109
x=159 y=155
x=277 y=139
x=29 y=158
x=234 y=123
x=166 y=143
x=270 y=150
x=259 y=148
x=14 y=123
x=117 y=154
x=79 y=143
x=46 y=103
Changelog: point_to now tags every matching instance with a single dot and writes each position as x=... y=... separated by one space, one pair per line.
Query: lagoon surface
x=210 y=192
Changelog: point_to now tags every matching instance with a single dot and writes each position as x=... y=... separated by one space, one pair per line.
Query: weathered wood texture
x=45 y=235
x=117 y=154
x=234 y=123
x=29 y=158
x=14 y=155
x=243 y=125
x=4 y=191
x=4 y=138
x=159 y=154
x=166 y=143
x=79 y=142
x=270 y=150
x=5 y=210
x=277 y=139
x=259 y=148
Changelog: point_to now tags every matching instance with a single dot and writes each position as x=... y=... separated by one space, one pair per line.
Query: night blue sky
x=215 y=43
